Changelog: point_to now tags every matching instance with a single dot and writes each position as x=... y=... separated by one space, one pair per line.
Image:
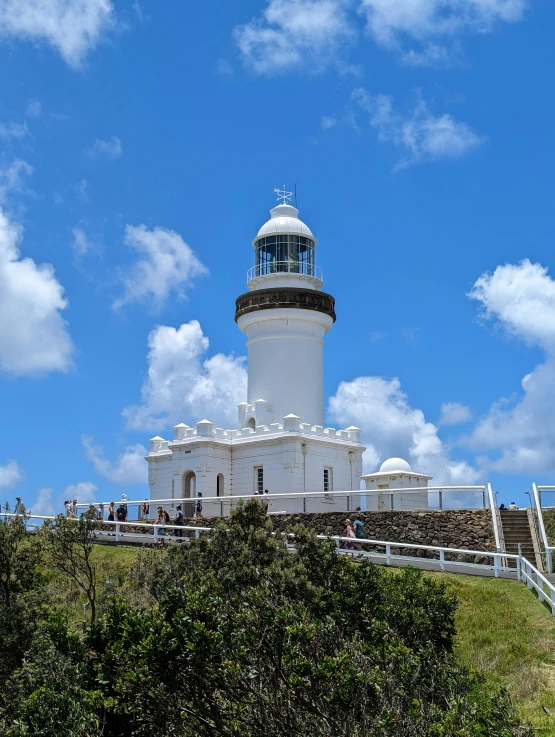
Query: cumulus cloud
x=44 y=506
x=290 y=33
x=420 y=135
x=518 y=431
x=392 y=428
x=84 y=492
x=10 y=474
x=422 y=30
x=453 y=413
x=33 y=334
x=129 y=468
x=72 y=27
x=183 y=385
x=111 y=149
x=166 y=264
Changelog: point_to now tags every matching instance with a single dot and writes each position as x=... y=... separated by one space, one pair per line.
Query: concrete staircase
x=516 y=529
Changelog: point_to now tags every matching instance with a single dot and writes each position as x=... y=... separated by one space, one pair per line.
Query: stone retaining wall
x=464 y=529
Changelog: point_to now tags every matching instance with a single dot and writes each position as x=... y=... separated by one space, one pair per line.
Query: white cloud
x=519 y=431
x=430 y=24
x=166 y=264
x=420 y=135
x=453 y=413
x=34 y=108
x=290 y=33
x=82 y=244
x=13 y=130
x=10 y=474
x=183 y=385
x=73 y=27
x=44 y=506
x=33 y=334
x=84 y=492
x=111 y=149
x=392 y=428
x=521 y=297
x=129 y=468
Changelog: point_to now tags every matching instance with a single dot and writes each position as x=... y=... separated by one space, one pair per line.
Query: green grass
x=505 y=633
x=502 y=631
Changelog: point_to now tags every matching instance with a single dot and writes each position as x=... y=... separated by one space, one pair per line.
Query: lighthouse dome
x=284 y=219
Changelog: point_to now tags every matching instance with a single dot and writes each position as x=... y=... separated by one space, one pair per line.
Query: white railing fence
x=434 y=557
x=538 y=498
x=400 y=499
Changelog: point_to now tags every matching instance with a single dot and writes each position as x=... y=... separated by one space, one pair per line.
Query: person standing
x=67 y=505
x=266 y=500
x=179 y=520
x=74 y=509
x=198 y=506
x=358 y=527
x=19 y=506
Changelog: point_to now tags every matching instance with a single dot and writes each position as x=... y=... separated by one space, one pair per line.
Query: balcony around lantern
x=299 y=274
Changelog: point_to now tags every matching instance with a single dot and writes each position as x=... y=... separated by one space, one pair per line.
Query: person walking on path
x=348 y=532
x=178 y=520
x=358 y=527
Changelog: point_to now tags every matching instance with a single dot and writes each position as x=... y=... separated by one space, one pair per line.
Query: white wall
x=286 y=361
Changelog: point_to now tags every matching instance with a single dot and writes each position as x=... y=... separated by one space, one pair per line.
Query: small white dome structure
x=284 y=219
x=395 y=464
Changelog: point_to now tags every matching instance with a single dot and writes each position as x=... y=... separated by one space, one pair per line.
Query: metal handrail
x=547 y=547
x=299 y=495
x=285 y=267
x=496 y=521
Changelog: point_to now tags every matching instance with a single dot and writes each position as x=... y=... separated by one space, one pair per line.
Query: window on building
x=328 y=484
x=259 y=479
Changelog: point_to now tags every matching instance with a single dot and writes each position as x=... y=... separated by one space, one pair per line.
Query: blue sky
x=139 y=147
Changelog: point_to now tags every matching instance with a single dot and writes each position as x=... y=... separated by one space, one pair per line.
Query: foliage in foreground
x=240 y=637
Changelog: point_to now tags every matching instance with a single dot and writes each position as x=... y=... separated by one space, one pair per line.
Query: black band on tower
x=271 y=299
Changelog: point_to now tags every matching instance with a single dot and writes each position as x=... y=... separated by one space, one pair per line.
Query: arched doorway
x=189 y=492
x=251 y=423
x=220 y=484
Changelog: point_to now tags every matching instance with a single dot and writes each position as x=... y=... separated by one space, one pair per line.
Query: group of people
x=353 y=531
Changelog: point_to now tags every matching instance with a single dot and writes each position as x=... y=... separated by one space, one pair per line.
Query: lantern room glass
x=285 y=253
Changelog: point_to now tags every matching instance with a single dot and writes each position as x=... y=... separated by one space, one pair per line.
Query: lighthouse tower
x=285 y=316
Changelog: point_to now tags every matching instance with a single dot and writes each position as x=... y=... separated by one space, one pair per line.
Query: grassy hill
x=503 y=632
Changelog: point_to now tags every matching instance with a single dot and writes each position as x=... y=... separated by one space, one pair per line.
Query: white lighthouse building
x=280 y=442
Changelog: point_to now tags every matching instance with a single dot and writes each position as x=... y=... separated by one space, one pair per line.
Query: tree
x=70 y=544
x=20 y=581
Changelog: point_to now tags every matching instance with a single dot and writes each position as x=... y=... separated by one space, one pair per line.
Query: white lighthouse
x=285 y=317
x=281 y=443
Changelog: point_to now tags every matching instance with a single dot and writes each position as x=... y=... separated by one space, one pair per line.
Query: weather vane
x=283 y=195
